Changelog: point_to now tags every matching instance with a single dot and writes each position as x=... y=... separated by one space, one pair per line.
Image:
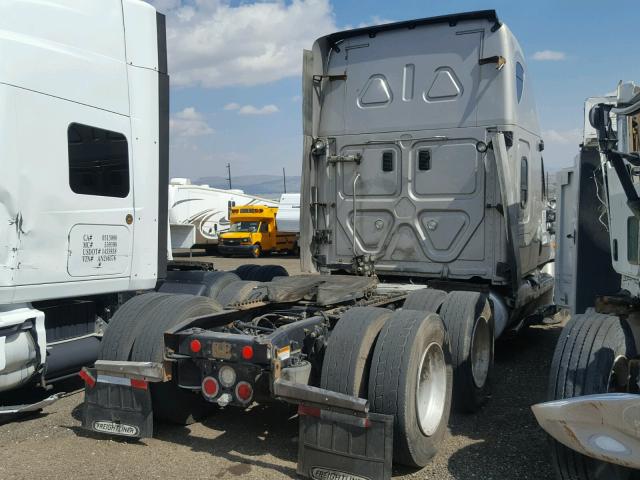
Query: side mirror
x=599 y=116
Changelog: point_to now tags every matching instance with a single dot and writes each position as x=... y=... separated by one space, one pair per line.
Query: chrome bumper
x=605 y=427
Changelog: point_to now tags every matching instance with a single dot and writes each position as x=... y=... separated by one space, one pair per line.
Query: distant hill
x=266 y=185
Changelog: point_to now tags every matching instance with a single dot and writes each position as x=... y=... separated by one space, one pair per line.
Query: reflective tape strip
x=114 y=380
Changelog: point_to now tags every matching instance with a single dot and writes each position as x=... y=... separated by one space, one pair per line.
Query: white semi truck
x=593 y=410
x=422 y=167
x=84 y=159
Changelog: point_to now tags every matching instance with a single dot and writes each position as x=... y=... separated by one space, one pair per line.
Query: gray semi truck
x=424 y=236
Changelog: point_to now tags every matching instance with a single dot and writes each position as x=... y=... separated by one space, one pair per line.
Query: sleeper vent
x=387 y=162
x=424 y=160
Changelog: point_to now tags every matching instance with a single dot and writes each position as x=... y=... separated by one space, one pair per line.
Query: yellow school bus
x=254 y=232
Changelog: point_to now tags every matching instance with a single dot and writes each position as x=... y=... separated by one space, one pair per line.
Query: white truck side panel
x=145 y=170
x=140 y=27
x=44 y=207
x=64 y=50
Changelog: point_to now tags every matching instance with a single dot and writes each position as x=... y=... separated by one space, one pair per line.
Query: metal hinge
x=322 y=236
x=499 y=60
x=318 y=78
x=355 y=158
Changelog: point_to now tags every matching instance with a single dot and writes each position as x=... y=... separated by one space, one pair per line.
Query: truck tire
x=238 y=292
x=427 y=300
x=245 y=272
x=467 y=317
x=347 y=359
x=260 y=273
x=171 y=403
x=266 y=273
x=582 y=365
x=191 y=282
x=256 y=251
x=119 y=337
x=216 y=281
x=411 y=379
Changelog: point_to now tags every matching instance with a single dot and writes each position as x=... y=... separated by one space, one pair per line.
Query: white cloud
x=251 y=110
x=232 y=106
x=213 y=43
x=549 y=55
x=189 y=123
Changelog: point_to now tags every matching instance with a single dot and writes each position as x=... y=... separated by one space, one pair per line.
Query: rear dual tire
x=467 y=318
x=411 y=379
x=400 y=362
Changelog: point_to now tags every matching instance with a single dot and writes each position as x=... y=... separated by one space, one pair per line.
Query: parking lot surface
x=501 y=442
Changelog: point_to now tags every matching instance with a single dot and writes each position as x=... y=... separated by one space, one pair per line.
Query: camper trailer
x=199 y=213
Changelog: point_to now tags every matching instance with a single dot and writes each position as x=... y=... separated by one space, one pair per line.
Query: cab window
x=244 y=227
x=98 y=161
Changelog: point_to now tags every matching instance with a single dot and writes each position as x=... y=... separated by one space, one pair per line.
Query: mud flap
x=337 y=446
x=339 y=438
x=117 y=409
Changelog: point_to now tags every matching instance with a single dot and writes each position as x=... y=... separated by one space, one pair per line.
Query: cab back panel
x=408 y=107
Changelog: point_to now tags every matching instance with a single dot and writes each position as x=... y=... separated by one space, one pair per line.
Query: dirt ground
x=501 y=442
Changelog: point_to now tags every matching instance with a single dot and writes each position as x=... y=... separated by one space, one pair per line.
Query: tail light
x=195 y=345
x=244 y=392
x=247 y=352
x=210 y=387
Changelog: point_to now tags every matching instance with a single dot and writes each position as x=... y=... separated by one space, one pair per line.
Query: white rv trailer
x=83 y=207
x=199 y=213
x=289 y=213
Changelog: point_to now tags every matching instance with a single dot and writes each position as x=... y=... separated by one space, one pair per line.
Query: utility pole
x=284 y=180
x=229 y=174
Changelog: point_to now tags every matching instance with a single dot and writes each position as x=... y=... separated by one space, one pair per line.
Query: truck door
x=566 y=231
x=77 y=199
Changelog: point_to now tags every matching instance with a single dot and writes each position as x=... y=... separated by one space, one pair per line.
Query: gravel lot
x=501 y=442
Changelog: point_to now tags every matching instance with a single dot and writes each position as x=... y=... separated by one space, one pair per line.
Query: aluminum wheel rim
x=481 y=346
x=431 y=391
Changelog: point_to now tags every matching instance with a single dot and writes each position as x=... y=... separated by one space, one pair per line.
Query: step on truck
x=423 y=215
x=593 y=410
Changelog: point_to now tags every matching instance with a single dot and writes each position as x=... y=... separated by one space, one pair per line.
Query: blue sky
x=235 y=70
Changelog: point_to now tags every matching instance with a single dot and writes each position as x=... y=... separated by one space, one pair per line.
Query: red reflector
x=209 y=387
x=86 y=376
x=141 y=384
x=195 y=346
x=247 y=352
x=307 y=410
x=244 y=392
